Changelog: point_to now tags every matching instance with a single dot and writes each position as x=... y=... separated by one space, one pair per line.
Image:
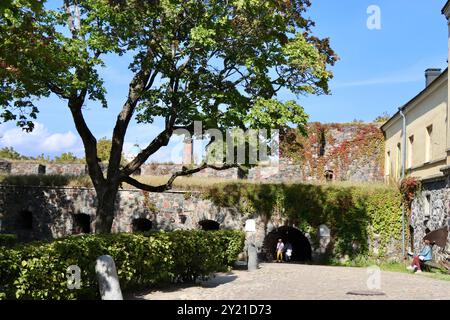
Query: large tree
x=221 y=62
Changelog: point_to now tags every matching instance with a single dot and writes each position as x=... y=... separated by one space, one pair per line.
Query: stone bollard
x=252 y=253
x=108 y=280
x=252 y=257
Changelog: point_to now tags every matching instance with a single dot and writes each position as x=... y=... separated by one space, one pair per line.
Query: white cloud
x=42 y=141
x=39 y=141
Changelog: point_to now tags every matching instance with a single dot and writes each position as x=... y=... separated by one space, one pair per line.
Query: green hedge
x=355 y=214
x=39 y=270
x=8 y=240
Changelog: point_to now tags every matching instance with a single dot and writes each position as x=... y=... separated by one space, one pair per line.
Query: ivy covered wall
x=350 y=152
x=363 y=220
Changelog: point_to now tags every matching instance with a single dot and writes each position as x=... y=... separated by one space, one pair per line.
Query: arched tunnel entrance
x=209 y=225
x=301 y=248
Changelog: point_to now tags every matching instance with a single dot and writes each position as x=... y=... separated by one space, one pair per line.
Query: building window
x=399 y=161
x=428 y=143
x=388 y=164
x=410 y=151
x=427 y=206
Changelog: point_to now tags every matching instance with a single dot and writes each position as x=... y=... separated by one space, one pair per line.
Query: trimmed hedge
x=39 y=270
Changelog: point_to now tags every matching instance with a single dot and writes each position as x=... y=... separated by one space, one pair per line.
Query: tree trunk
x=106 y=199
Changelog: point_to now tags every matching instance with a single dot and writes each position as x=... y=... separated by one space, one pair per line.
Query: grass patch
x=393 y=266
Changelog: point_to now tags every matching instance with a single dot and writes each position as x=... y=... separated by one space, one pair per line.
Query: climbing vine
x=148 y=203
x=356 y=216
x=334 y=147
x=409 y=187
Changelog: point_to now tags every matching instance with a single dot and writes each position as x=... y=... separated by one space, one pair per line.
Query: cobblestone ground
x=303 y=282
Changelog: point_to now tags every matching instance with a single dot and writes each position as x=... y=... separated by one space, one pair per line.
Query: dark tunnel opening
x=301 y=248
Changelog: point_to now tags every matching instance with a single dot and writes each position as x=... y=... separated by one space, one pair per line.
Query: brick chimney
x=431 y=75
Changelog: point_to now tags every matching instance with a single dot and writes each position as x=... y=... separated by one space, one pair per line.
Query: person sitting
x=425 y=255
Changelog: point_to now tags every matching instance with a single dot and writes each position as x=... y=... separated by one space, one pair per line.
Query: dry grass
x=186 y=183
x=181 y=183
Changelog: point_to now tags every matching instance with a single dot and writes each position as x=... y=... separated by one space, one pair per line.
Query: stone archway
x=81 y=223
x=209 y=225
x=141 y=225
x=301 y=248
x=24 y=220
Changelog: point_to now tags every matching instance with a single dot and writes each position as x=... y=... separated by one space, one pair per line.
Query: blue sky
x=378 y=71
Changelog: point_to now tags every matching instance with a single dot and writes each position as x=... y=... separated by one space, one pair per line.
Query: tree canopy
x=221 y=62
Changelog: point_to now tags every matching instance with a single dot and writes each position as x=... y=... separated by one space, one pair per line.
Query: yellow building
x=417 y=137
x=424 y=119
x=417 y=144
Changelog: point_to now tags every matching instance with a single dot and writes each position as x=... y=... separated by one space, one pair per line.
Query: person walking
x=288 y=252
x=280 y=249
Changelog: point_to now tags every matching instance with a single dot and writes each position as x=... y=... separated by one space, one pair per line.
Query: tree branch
x=141 y=81
x=89 y=141
x=169 y=183
x=161 y=140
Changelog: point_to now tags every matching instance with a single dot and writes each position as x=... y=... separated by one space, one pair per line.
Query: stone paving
x=303 y=282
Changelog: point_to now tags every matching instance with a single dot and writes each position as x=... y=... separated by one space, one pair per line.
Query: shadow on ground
x=213 y=282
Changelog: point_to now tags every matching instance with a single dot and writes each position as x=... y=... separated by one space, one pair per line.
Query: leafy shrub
x=39 y=270
x=7 y=240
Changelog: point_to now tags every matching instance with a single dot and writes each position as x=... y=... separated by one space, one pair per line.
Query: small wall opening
x=81 y=223
x=329 y=175
x=183 y=218
x=142 y=225
x=301 y=248
x=25 y=220
x=41 y=169
x=209 y=225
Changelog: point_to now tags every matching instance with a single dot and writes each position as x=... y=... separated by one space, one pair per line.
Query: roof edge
x=446 y=6
x=445 y=72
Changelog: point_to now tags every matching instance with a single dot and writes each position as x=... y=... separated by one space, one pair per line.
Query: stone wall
x=154 y=169
x=5 y=167
x=27 y=168
x=54 y=212
x=429 y=212
x=344 y=152
x=282 y=172
x=72 y=169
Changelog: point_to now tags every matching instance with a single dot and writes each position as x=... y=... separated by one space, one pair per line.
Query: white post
x=108 y=280
x=250 y=228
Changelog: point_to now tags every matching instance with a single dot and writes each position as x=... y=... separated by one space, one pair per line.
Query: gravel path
x=304 y=282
